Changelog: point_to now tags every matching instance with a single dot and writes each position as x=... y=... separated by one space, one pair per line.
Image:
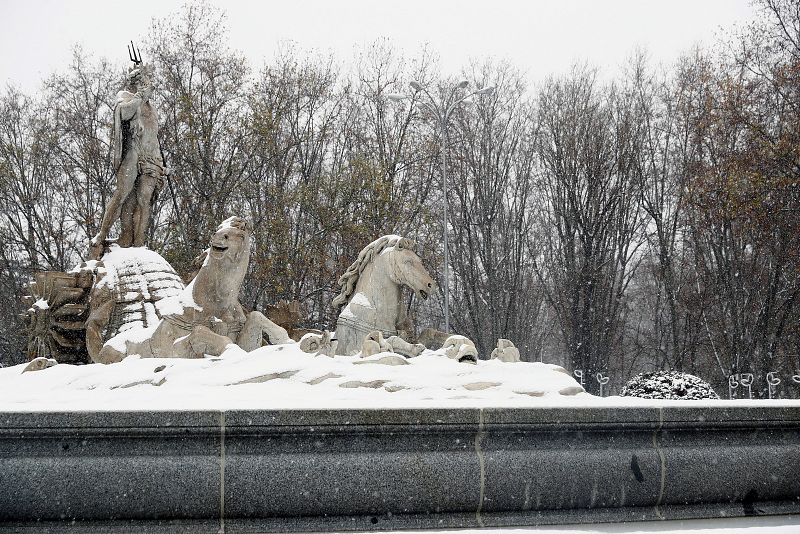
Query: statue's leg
x=200 y=342
x=126 y=179
x=141 y=213
x=126 y=222
x=254 y=328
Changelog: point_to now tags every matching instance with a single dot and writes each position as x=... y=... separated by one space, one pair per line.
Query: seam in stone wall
x=662 y=463
x=222 y=473
x=482 y=466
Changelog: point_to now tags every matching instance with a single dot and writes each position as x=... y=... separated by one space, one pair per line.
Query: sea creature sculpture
x=320 y=344
x=505 y=351
x=374 y=344
x=401 y=346
x=461 y=349
x=131 y=285
x=206 y=316
x=370 y=298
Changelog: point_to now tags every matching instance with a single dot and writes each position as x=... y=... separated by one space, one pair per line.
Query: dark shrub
x=671 y=385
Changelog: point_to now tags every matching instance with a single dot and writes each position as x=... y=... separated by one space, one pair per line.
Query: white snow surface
x=176 y=305
x=784 y=524
x=123 y=256
x=284 y=377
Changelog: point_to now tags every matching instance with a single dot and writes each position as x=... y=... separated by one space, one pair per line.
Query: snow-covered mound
x=283 y=376
x=669 y=385
x=140 y=283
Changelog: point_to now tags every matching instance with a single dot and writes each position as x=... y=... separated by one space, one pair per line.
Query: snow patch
x=361 y=300
x=283 y=376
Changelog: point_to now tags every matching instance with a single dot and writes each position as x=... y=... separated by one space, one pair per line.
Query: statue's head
x=231 y=241
x=408 y=269
x=138 y=75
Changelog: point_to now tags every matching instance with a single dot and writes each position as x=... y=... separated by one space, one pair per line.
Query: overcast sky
x=540 y=37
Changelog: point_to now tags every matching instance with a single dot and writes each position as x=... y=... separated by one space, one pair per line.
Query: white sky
x=540 y=37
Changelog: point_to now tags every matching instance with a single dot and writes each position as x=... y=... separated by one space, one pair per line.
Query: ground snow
x=282 y=376
x=785 y=524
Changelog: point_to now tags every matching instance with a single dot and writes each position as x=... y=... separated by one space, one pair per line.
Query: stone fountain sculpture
x=206 y=316
x=130 y=287
x=127 y=292
x=71 y=314
x=461 y=349
x=370 y=298
x=505 y=351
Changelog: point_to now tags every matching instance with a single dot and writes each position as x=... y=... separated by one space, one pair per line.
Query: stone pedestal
x=368 y=470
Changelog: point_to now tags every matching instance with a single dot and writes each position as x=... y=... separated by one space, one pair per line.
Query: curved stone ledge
x=248 y=471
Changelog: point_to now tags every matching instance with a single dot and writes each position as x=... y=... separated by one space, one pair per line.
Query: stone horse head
x=370 y=298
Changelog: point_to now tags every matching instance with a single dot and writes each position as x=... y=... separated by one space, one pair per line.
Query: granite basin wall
x=253 y=471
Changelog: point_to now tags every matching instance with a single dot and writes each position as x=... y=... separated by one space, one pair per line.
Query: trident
x=134 y=54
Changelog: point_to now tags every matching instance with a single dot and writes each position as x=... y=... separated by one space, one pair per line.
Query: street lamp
x=441 y=110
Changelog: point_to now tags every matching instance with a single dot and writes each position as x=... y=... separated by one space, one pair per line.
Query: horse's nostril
x=429 y=285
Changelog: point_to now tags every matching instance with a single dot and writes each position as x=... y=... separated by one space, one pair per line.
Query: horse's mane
x=350 y=277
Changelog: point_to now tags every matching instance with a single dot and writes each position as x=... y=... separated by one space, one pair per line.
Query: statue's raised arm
x=138 y=164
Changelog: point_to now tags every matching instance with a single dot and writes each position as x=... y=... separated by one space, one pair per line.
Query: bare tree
x=588 y=147
x=496 y=293
x=201 y=92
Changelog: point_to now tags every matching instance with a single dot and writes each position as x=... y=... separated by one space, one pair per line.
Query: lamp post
x=441 y=109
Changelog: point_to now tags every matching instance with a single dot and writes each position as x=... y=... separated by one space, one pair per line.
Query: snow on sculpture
x=505 y=351
x=461 y=349
x=131 y=285
x=206 y=316
x=370 y=295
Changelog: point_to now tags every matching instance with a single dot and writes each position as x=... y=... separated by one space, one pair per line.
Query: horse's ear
x=406 y=243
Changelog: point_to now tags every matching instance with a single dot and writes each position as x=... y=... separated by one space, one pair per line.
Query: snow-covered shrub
x=671 y=385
